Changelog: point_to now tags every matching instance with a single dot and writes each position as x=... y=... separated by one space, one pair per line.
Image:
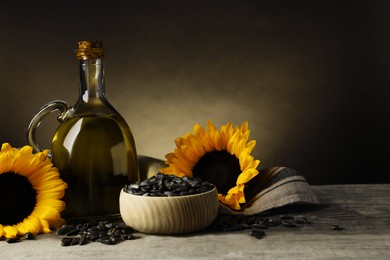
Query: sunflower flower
x=30 y=192
x=221 y=157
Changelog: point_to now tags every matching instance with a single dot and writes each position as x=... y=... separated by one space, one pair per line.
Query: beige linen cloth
x=272 y=188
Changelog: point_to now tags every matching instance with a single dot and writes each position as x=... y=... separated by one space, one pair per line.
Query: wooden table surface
x=363 y=211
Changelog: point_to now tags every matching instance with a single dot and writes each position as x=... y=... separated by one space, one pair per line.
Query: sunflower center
x=219 y=168
x=17 y=198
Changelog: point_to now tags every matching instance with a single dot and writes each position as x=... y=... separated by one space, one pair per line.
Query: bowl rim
x=171 y=197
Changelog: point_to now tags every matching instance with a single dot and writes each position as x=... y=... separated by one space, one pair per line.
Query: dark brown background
x=311 y=77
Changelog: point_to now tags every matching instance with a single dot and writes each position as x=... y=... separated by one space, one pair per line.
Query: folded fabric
x=275 y=188
x=272 y=188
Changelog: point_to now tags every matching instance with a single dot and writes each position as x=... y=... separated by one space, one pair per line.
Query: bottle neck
x=91 y=81
x=92 y=100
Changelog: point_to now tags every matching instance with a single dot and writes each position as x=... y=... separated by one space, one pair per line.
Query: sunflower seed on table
x=104 y=232
x=13 y=240
x=288 y=223
x=256 y=223
x=246 y=226
x=234 y=227
x=111 y=231
x=271 y=222
x=29 y=236
x=337 y=228
x=259 y=226
x=26 y=236
x=286 y=217
x=83 y=240
x=301 y=220
x=107 y=240
x=258 y=233
x=66 y=241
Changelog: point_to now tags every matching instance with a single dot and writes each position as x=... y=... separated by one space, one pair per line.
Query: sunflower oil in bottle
x=93 y=147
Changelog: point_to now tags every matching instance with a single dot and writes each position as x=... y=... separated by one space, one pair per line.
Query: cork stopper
x=89 y=50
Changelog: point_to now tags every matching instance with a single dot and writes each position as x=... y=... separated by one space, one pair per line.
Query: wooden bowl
x=169 y=215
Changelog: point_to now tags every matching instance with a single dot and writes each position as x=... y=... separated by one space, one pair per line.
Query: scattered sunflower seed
x=13 y=240
x=288 y=223
x=103 y=232
x=29 y=236
x=301 y=220
x=256 y=223
x=337 y=228
x=257 y=233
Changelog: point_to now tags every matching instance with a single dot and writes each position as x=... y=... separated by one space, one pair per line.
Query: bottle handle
x=50 y=107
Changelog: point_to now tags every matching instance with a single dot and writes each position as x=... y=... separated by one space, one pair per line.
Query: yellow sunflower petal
x=45 y=226
x=251 y=145
x=10 y=231
x=59 y=205
x=21 y=227
x=45 y=212
x=204 y=138
x=22 y=161
x=169 y=156
x=244 y=127
x=6 y=159
x=234 y=144
x=6 y=147
x=1 y=231
x=246 y=176
x=49 y=185
x=184 y=155
x=196 y=147
x=247 y=162
x=199 y=130
x=215 y=137
x=231 y=202
x=32 y=224
x=53 y=194
x=57 y=223
x=40 y=174
x=182 y=167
